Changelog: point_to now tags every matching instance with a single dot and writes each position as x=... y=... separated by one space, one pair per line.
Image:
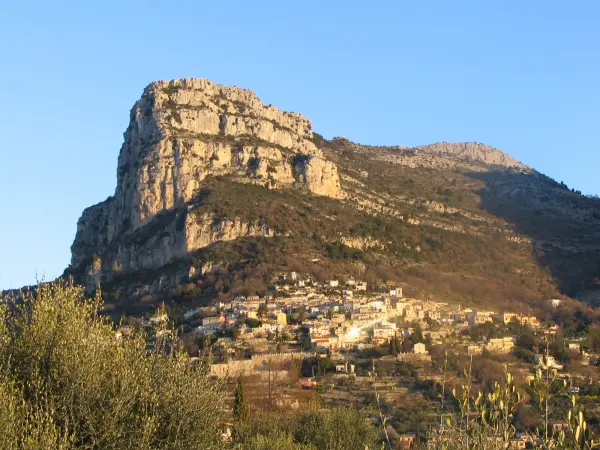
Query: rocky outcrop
x=472 y=152
x=185 y=130
x=204 y=230
x=180 y=133
x=319 y=175
x=193 y=148
x=471 y=156
x=171 y=236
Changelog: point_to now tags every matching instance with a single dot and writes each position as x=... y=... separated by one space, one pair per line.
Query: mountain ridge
x=450 y=154
x=192 y=146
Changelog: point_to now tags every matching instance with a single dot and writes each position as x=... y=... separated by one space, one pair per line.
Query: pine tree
x=241 y=409
x=417 y=335
x=393 y=348
x=262 y=311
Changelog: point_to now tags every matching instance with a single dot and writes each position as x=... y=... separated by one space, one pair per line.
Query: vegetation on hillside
x=560 y=221
x=475 y=235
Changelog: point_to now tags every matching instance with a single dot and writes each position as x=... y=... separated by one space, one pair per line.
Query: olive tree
x=66 y=381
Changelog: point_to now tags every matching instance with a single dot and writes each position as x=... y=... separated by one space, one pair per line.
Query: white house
x=361 y=285
x=420 y=349
x=376 y=305
x=555 y=302
x=396 y=292
x=384 y=330
x=548 y=361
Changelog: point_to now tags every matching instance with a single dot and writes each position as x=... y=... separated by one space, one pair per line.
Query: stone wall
x=255 y=366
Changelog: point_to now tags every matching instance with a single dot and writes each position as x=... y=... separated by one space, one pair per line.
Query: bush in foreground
x=345 y=428
x=67 y=382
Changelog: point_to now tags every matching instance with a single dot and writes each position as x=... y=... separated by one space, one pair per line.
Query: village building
x=547 y=361
x=479 y=317
x=213 y=322
x=532 y=321
x=281 y=318
x=500 y=345
x=406 y=441
x=507 y=317
x=575 y=346
x=361 y=285
x=474 y=349
x=420 y=349
x=384 y=329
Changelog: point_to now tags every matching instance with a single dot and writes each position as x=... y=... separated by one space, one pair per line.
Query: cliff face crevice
x=180 y=133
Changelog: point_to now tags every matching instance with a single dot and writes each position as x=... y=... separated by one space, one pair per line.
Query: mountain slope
x=216 y=192
x=471 y=195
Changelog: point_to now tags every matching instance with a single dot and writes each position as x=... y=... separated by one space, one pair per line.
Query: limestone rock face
x=320 y=176
x=203 y=232
x=472 y=151
x=180 y=133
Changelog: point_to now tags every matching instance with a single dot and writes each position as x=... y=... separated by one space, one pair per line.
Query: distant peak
x=473 y=151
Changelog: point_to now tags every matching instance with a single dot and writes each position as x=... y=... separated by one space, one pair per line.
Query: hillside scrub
x=67 y=382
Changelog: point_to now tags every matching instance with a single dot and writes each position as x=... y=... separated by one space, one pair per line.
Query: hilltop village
x=343 y=338
x=336 y=317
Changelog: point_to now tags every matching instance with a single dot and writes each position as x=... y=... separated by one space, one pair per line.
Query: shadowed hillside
x=564 y=225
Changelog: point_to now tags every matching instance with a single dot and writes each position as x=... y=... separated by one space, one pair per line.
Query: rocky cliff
x=463 y=155
x=472 y=152
x=180 y=133
x=216 y=192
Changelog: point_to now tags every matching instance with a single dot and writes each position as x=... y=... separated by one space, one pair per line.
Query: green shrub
x=274 y=441
x=338 y=429
x=67 y=382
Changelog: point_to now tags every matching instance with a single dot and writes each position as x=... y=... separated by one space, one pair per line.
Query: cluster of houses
x=303 y=318
x=336 y=317
x=333 y=316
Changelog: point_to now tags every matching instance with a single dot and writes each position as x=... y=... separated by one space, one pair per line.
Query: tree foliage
x=241 y=409
x=66 y=381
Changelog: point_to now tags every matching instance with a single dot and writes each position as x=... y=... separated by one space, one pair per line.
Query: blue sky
x=518 y=75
